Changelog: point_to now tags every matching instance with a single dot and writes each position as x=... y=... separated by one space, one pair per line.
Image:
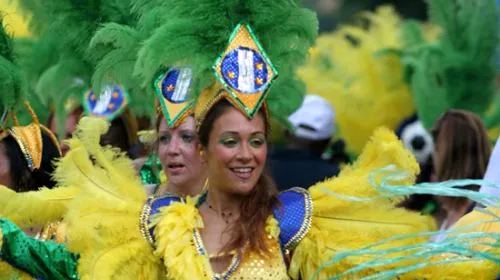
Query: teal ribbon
x=458 y=242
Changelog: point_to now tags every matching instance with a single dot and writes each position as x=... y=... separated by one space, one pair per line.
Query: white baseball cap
x=317 y=114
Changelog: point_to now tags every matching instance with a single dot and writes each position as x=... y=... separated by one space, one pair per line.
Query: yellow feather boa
x=174 y=229
x=35 y=208
x=103 y=220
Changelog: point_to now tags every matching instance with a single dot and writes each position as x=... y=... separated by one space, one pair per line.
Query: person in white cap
x=300 y=163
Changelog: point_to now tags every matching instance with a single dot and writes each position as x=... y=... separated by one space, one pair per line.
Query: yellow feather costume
x=103 y=220
x=366 y=87
x=37 y=207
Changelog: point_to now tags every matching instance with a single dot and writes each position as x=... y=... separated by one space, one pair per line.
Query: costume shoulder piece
x=294 y=216
x=151 y=208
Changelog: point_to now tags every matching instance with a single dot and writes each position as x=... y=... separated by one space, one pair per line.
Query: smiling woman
x=239 y=228
x=241 y=195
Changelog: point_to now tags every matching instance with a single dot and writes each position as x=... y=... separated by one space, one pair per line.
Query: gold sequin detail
x=54 y=231
x=255 y=266
x=29 y=139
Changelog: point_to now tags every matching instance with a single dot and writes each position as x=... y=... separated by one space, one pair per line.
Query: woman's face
x=5 y=178
x=236 y=152
x=179 y=154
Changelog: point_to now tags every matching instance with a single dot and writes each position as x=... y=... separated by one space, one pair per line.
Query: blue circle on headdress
x=105 y=106
x=174 y=90
x=245 y=70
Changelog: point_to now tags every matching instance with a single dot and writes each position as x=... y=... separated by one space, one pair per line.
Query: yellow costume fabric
x=179 y=244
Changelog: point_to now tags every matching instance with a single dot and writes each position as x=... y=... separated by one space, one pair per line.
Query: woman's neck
x=187 y=189
x=223 y=202
x=457 y=212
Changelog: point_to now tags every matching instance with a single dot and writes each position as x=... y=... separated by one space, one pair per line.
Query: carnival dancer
x=240 y=227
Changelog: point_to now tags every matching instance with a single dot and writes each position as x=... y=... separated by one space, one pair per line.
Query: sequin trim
x=198 y=243
x=144 y=221
x=223 y=94
x=23 y=148
x=306 y=224
x=232 y=268
x=200 y=248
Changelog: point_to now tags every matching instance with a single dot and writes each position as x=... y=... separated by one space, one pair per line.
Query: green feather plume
x=59 y=62
x=458 y=71
x=13 y=85
x=114 y=50
x=195 y=32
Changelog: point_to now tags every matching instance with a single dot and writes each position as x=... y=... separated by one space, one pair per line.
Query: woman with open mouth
x=177 y=145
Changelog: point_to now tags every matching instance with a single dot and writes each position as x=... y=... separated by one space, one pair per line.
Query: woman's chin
x=243 y=188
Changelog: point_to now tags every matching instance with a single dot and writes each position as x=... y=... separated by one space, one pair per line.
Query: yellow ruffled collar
x=180 y=245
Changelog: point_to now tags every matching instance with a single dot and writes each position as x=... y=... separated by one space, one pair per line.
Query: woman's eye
x=165 y=139
x=231 y=142
x=257 y=142
x=187 y=138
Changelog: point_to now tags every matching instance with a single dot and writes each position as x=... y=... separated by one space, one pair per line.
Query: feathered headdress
x=234 y=50
x=12 y=96
x=66 y=28
x=457 y=71
x=114 y=49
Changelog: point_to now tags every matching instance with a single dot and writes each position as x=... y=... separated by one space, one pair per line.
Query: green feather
x=60 y=57
x=458 y=71
x=196 y=32
x=13 y=85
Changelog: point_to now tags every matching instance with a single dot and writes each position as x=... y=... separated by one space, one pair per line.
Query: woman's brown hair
x=462 y=147
x=258 y=205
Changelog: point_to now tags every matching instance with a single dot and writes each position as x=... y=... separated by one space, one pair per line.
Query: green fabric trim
x=41 y=259
x=150 y=171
